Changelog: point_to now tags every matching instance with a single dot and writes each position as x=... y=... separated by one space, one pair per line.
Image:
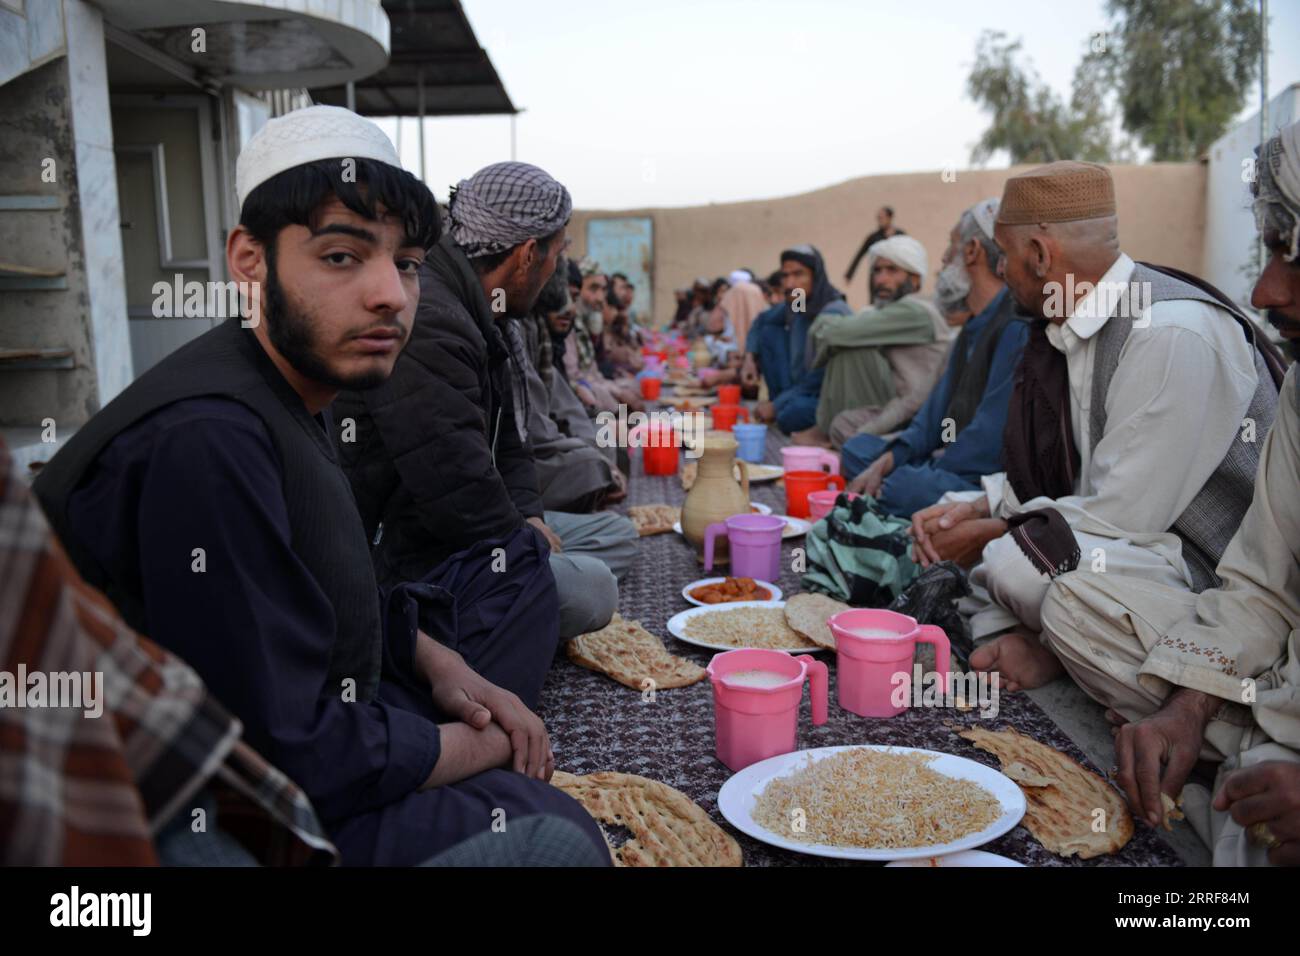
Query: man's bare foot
x=1021 y=661
x=811 y=436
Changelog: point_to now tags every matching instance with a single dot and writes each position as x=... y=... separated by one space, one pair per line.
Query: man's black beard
x=294 y=336
x=881 y=297
x=1279 y=322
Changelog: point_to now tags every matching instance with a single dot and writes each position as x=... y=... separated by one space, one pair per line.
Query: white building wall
x=1229 y=260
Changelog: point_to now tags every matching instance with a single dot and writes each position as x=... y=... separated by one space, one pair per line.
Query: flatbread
x=631 y=655
x=690 y=403
x=807 y=614
x=1171 y=810
x=1062 y=797
x=654 y=519
x=667 y=828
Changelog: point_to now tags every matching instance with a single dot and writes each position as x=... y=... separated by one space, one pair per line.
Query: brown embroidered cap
x=1058 y=192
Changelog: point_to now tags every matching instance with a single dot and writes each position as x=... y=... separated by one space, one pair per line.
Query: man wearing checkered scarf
x=453 y=465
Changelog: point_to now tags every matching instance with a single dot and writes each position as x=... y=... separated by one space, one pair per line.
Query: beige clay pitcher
x=716 y=494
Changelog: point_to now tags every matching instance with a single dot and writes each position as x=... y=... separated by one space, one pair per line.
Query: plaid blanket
x=84 y=789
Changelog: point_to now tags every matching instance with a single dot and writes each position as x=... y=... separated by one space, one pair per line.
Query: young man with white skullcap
x=207 y=502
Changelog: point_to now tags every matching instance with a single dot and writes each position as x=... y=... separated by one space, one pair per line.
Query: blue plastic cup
x=752 y=440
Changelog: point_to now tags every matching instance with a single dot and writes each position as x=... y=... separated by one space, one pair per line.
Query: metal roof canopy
x=436 y=68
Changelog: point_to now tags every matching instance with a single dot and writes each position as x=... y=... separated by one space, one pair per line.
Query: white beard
x=952 y=286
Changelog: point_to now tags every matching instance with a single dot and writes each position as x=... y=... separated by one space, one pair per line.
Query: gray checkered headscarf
x=1277 y=188
x=505 y=204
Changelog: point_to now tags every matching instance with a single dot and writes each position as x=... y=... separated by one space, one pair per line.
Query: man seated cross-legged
x=1106 y=465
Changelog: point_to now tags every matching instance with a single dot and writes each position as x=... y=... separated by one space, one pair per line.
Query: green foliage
x=1174 y=72
x=1181 y=69
x=1031 y=122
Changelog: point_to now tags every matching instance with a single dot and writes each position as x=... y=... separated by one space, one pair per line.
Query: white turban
x=904 y=252
x=306 y=136
x=739 y=276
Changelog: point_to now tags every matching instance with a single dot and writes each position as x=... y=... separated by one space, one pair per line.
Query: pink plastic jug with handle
x=753 y=722
x=755 y=542
x=804 y=458
x=873 y=647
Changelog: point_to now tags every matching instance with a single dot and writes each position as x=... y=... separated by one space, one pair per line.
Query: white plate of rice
x=759 y=624
x=911 y=804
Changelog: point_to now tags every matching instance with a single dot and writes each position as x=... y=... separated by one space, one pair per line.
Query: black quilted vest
x=228 y=362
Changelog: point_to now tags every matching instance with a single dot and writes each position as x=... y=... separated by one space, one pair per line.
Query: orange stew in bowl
x=729 y=590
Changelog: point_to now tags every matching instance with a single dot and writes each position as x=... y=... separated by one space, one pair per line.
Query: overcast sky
x=683 y=102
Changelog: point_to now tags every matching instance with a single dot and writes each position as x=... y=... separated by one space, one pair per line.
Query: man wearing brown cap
x=1183 y=674
x=1125 y=447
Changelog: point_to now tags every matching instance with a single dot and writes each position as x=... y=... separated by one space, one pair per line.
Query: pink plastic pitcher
x=755 y=542
x=802 y=458
x=754 y=720
x=866 y=662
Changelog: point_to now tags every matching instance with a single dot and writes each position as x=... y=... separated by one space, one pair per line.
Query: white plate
x=677 y=627
x=738 y=795
x=686 y=592
x=965 y=858
x=759 y=472
x=794 y=527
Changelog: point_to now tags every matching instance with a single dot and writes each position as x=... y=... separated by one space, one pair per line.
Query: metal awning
x=436 y=68
x=253 y=44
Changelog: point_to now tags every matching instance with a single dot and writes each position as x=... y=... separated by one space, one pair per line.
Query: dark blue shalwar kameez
x=203 y=474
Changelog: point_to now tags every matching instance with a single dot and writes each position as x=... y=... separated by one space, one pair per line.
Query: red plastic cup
x=650 y=387
x=724 y=416
x=800 y=484
x=728 y=394
x=660 y=454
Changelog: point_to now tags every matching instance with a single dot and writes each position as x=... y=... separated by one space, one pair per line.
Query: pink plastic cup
x=874 y=651
x=752 y=723
x=822 y=503
x=755 y=542
x=803 y=458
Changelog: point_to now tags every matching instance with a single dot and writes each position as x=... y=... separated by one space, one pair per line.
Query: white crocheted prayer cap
x=985 y=213
x=305 y=136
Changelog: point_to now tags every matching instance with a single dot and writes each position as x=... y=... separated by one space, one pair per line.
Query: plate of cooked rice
x=727 y=627
x=868 y=802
